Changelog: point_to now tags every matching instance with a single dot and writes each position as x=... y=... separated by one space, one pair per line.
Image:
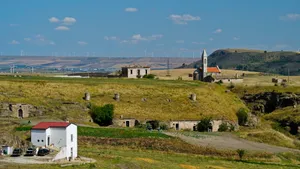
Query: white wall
x=38 y=137
x=184 y=124
x=71 y=129
x=58 y=137
x=135 y=72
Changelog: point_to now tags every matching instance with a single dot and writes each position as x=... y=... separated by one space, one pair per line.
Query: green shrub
x=154 y=124
x=204 y=124
x=223 y=127
x=242 y=115
x=163 y=126
x=241 y=153
x=149 y=76
x=103 y=115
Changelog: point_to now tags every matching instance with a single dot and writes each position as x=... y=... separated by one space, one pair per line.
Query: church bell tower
x=204 y=65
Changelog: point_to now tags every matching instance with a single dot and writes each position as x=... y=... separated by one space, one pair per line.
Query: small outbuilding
x=7 y=150
x=135 y=71
x=61 y=135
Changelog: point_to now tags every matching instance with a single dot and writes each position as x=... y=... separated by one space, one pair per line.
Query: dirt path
x=229 y=142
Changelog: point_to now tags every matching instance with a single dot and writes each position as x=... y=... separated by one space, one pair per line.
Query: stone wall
x=124 y=122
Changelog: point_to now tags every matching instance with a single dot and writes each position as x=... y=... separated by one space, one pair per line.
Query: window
x=146 y=71
x=131 y=72
x=38 y=140
x=71 y=137
x=42 y=140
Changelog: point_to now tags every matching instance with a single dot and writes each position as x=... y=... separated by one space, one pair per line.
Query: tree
x=204 y=124
x=242 y=115
x=223 y=127
x=103 y=115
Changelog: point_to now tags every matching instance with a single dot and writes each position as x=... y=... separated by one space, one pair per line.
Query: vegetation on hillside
x=62 y=98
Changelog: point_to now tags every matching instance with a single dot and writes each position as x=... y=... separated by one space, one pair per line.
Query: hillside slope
x=164 y=100
x=254 y=60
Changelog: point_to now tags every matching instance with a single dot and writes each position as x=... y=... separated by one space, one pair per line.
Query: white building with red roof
x=62 y=135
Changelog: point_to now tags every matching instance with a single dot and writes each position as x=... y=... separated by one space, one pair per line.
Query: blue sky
x=135 y=27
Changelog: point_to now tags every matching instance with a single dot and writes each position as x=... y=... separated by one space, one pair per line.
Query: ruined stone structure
x=125 y=122
x=18 y=110
x=193 y=97
x=135 y=71
x=192 y=125
x=87 y=96
x=117 y=97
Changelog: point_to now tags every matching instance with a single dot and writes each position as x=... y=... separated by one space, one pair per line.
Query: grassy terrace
x=119 y=133
x=51 y=93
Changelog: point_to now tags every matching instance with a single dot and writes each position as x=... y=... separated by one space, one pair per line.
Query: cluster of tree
x=102 y=115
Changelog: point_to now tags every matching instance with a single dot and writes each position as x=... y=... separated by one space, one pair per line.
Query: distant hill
x=254 y=60
x=87 y=63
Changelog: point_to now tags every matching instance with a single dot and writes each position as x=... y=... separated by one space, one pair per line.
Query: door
x=48 y=141
x=20 y=113
x=72 y=152
x=177 y=126
x=127 y=123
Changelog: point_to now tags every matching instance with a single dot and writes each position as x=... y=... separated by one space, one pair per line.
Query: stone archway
x=20 y=113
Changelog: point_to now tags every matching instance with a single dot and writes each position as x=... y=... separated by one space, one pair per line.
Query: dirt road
x=229 y=142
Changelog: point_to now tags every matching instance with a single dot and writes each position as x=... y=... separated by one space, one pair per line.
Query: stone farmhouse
x=135 y=71
x=60 y=135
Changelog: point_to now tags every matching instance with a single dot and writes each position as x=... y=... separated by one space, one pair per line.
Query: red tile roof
x=213 y=70
x=45 y=125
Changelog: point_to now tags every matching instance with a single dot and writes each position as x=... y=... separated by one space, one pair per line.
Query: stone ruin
x=193 y=97
x=18 y=110
x=87 y=96
x=117 y=97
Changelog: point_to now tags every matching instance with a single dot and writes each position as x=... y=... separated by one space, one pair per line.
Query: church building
x=204 y=73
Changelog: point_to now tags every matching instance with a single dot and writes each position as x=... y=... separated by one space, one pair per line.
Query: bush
x=103 y=115
x=231 y=86
x=154 y=124
x=241 y=153
x=223 y=127
x=149 y=76
x=204 y=124
x=242 y=115
x=163 y=126
x=179 y=78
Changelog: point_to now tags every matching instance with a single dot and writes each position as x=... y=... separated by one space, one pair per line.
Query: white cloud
x=218 y=31
x=180 y=41
x=82 y=43
x=14 y=25
x=110 y=38
x=27 y=39
x=69 y=21
x=62 y=28
x=211 y=39
x=53 y=20
x=291 y=16
x=131 y=10
x=155 y=37
x=183 y=49
x=52 y=43
x=183 y=19
x=236 y=38
x=14 y=42
x=138 y=37
x=124 y=41
x=198 y=43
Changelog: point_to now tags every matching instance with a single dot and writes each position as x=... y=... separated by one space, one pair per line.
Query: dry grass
x=211 y=98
